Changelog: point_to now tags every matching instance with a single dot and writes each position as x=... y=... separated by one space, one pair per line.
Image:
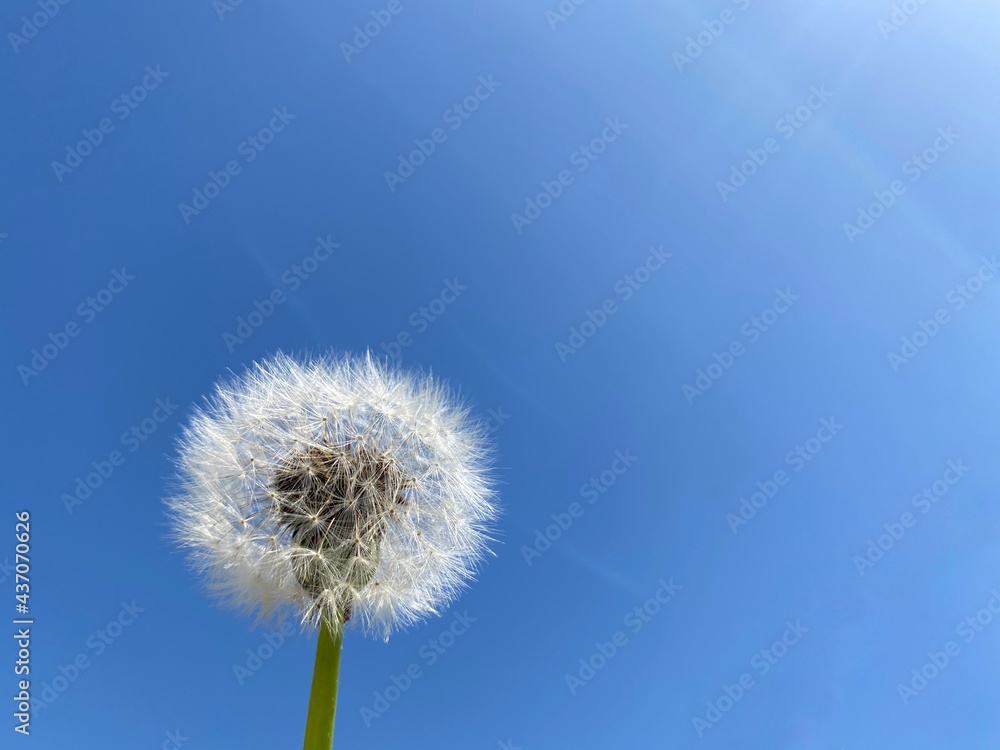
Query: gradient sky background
x=503 y=683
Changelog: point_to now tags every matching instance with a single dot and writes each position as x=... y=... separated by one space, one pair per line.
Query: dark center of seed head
x=336 y=501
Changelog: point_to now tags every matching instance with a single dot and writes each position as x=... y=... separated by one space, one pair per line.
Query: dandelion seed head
x=332 y=487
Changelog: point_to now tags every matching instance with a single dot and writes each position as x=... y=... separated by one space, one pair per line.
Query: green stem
x=323 y=698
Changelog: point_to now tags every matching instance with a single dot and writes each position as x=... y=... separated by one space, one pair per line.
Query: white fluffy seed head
x=334 y=486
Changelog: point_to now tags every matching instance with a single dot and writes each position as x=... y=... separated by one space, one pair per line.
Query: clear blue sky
x=843 y=368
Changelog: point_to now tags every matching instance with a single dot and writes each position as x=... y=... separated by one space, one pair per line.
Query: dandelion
x=335 y=490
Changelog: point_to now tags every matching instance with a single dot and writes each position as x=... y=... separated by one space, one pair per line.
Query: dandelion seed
x=290 y=482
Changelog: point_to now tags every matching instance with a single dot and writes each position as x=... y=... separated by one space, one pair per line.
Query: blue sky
x=677 y=254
